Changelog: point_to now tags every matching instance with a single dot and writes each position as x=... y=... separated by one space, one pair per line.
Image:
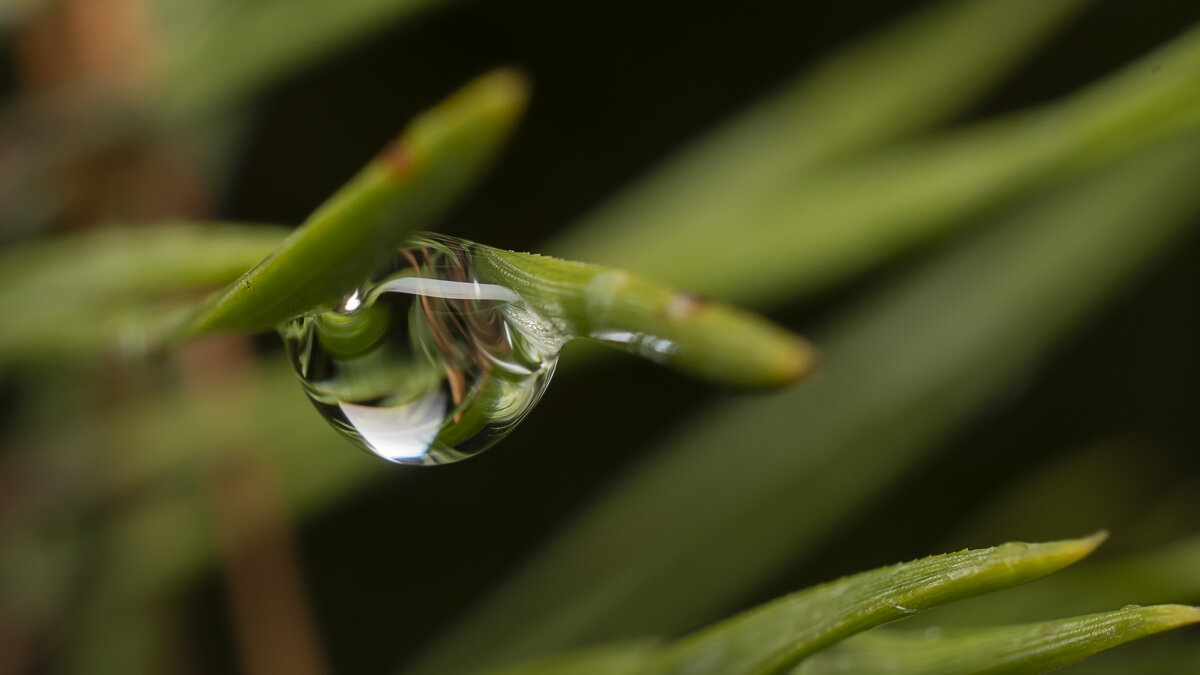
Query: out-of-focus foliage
x=940 y=267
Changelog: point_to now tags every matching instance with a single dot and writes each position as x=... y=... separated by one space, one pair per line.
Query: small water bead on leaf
x=426 y=363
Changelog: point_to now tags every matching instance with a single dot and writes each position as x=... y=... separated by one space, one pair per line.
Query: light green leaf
x=778 y=635
x=217 y=60
x=75 y=297
x=1007 y=650
x=701 y=337
x=343 y=243
x=1164 y=574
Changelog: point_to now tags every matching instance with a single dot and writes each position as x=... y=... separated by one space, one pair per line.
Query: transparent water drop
x=425 y=363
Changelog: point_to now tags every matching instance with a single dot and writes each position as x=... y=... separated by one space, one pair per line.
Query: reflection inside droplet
x=426 y=363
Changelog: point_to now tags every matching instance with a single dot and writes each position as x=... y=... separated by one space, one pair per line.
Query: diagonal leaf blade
x=778 y=635
x=907 y=78
x=438 y=156
x=803 y=234
x=240 y=49
x=1163 y=574
x=1006 y=650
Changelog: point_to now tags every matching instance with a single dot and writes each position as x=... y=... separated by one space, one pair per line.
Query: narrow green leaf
x=80 y=296
x=416 y=178
x=132 y=261
x=702 y=337
x=907 y=78
x=708 y=516
x=1164 y=574
x=778 y=635
x=811 y=231
x=1007 y=650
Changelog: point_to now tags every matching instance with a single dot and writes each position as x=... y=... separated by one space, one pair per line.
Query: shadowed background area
x=1005 y=288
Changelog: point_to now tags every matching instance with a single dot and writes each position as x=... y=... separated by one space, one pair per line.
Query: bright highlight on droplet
x=426 y=363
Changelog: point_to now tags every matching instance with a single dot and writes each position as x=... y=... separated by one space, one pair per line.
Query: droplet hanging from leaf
x=427 y=363
x=446 y=349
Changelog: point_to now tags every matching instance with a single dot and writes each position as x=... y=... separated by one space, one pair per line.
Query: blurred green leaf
x=707 y=516
x=228 y=54
x=74 y=297
x=810 y=231
x=1008 y=650
x=1119 y=484
x=619 y=659
x=907 y=78
x=437 y=158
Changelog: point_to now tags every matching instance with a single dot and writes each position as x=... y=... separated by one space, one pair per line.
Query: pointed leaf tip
x=776 y=636
x=1023 y=649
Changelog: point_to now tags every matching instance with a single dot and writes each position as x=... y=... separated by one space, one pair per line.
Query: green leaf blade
x=1007 y=650
x=240 y=48
x=702 y=337
x=773 y=638
x=802 y=235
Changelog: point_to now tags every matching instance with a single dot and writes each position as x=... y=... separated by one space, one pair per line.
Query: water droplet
x=426 y=363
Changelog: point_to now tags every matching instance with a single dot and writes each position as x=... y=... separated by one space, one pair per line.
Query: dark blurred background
x=619 y=85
